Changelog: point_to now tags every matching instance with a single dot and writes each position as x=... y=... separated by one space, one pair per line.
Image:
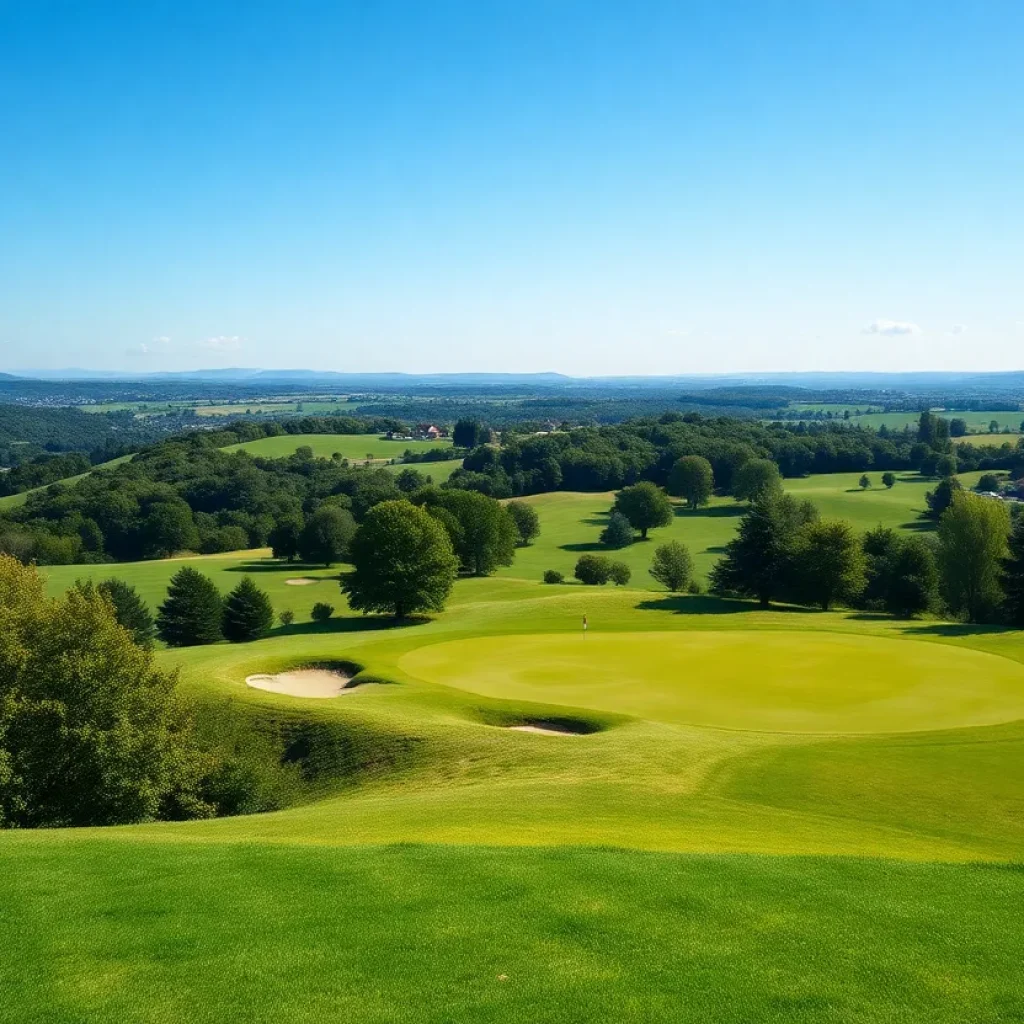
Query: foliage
x=553 y=576
x=483 y=533
x=692 y=478
x=248 y=613
x=888 y=479
x=1013 y=575
x=469 y=433
x=326 y=536
x=322 y=612
x=942 y=497
x=192 y=613
x=402 y=561
x=645 y=505
x=619 y=532
x=285 y=535
x=526 y=519
x=409 y=480
x=756 y=478
x=973 y=536
x=129 y=609
x=594 y=570
x=672 y=566
x=945 y=465
x=91 y=733
x=286 y=617
x=865 y=482
x=828 y=564
x=758 y=562
x=619 y=573
x=988 y=482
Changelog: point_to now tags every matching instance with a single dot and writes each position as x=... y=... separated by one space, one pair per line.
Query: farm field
x=299 y=406
x=977 y=422
x=355 y=447
x=835 y=844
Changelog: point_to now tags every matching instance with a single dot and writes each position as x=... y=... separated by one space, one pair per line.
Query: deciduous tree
x=645 y=505
x=828 y=564
x=327 y=535
x=756 y=478
x=692 y=478
x=672 y=566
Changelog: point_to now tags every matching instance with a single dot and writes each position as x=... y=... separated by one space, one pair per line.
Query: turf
x=355 y=447
x=779 y=815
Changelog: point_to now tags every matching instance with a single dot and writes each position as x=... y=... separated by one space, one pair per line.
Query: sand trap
x=544 y=730
x=300 y=581
x=303 y=682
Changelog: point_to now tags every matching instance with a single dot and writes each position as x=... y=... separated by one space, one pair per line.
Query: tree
x=941 y=498
x=758 y=560
x=1013 y=575
x=618 y=533
x=91 y=732
x=284 y=537
x=864 y=482
x=409 y=480
x=553 y=576
x=645 y=505
x=973 y=541
x=166 y=528
x=945 y=465
x=130 y=610
x=988 y=482
x=889 y=479
x=901 y=574
x=402 y=561
x=326 y=536
x=468 y=434
x=482 y=531
x=828 y=564
x=593 y=570
x=756 y=478
x=672 y=566
x=692 y=478
x=526 y=519
x=619 y=573
x=248 y=613
x=957 y=428
x=993 y=426
x=191 y=614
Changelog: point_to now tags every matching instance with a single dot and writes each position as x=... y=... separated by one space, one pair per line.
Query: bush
x=619 y=573
x=889 y=479
x=593 y=570
x=287 y=617
x=553 y=576
x=989 y=482
x=672 y=566
x=695 y=587
x=618 y=533
x=322 y=611
x=526 y=520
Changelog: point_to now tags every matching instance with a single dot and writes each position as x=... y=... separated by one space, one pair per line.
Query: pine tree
x=248 y=613
x=618 y=533
x=191 y=614
x=1013 y=575
x=131 y=611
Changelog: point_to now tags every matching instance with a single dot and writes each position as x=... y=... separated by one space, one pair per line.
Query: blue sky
x=589 y=187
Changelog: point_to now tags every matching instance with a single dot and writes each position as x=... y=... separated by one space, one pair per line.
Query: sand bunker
x=300 y=581
x=544 y=730
x=304 y=682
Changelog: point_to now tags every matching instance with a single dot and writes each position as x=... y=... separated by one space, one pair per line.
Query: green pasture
x=12 y=500
x=977 y=422
x=740 y=815
x=354 y=447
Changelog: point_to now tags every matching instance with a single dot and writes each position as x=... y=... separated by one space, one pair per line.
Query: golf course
x=693 y=810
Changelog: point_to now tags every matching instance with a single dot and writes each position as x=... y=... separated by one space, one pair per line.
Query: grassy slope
x=718 y=902
x=355 y=447
x=12 y=500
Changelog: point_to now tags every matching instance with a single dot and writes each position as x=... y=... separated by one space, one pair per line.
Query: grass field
x=298 y=407
x=977 y=422
x=781 y=815
x=355 y=447
x=12 y=500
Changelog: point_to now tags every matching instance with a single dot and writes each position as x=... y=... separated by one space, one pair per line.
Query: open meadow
x=355 y=447
x=696 y=810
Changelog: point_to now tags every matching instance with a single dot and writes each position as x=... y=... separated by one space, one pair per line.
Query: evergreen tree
x=758 y=560
x=618 y=533
x=1013 y=575
x=248 y=613
x=129 y=609
x=672 y=566
x=191 y=614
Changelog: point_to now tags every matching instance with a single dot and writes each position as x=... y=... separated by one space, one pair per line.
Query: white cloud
x=162 y=340
x=891 y=328
x=223 y=343
x=957 y=329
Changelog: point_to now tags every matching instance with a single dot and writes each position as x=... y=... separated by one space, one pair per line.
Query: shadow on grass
x=349 y=624
x=711 y=511
x=922 y=525
x=954 y=629
x=680 y=604
x=292 y=568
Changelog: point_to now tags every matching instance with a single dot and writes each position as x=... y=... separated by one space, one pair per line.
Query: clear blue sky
x=584 y=187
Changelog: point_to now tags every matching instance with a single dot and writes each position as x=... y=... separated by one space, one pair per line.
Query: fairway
x=793 y=681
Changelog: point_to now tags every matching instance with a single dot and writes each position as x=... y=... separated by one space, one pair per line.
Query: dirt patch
x=301 y=581
x=304 y=682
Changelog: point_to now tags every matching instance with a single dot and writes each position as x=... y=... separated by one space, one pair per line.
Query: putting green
x=785 y=681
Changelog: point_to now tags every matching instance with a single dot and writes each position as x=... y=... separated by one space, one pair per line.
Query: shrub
x=695 y=587
x=287 y=617
x=553 y=576
x=593 y=570
x=526 y=520
x=618 y=533
x=322 y=611
x=989 y=482
x=619 y=573
x=672 y=566
x=889 y=479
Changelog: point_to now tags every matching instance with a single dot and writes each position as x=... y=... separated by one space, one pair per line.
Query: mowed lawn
x=354 y=447
x=571 y=522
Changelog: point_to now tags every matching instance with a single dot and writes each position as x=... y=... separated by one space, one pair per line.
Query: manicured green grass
x=571 y=522
x=355 y=447
x=780 y=815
